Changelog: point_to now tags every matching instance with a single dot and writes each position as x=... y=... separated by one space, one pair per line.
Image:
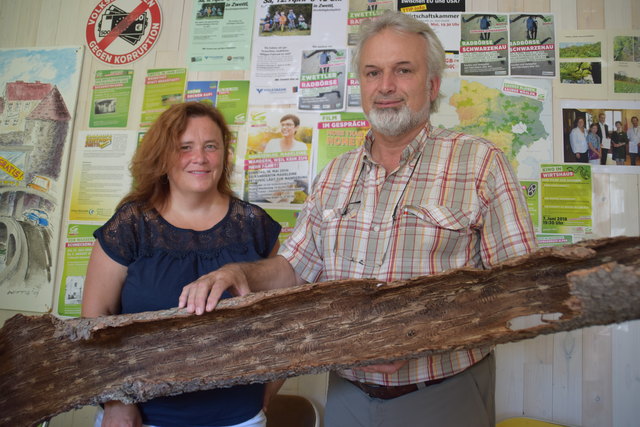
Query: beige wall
x=589 y=377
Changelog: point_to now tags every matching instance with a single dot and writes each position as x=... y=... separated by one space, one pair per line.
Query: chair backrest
x=292 y=411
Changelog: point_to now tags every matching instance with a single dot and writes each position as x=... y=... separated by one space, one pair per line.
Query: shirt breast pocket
x=434 y=238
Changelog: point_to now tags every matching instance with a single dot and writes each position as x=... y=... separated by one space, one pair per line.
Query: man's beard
x=397 y=121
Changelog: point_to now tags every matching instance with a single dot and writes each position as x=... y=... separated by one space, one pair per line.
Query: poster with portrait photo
x=625 y=113
x=277 y=163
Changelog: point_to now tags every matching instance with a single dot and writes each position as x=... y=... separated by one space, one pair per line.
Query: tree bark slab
x=49 y=366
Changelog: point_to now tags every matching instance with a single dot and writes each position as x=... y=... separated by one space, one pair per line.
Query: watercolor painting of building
x=36 y=119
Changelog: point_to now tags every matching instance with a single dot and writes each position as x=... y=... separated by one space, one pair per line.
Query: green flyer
x=162 y=88
x=548 y=240
x=110 y=100
x=566 y=198
x=287 y=220
x=77 y=250
x=532 y=196
x=220 y=35
x=233 y=100
x=339 y=133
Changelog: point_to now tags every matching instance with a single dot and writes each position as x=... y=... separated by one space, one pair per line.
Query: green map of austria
x=518 y=124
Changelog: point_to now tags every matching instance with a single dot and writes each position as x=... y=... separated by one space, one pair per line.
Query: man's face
x=634 y=122
x=288 y=127
x=601 y=118
x=395 y=86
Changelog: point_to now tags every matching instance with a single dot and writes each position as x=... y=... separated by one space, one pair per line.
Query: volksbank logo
x=272 y=90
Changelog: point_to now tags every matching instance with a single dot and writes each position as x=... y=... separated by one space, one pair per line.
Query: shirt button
x=376 y=228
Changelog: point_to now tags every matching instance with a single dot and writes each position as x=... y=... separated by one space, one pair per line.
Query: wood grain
x=49 y=365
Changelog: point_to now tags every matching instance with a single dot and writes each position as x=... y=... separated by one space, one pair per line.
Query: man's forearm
x=270 y=273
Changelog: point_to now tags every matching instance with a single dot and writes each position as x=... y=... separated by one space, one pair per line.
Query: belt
x=391 y=392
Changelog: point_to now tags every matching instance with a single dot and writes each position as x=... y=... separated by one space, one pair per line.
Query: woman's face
x=618 y=126
x=593 y=129
x=199 y=163
x=581 y=123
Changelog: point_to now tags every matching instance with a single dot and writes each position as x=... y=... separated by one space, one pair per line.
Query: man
x=413 y=200
x=633 y=133
x=324 y=62
x=289 y=125
x=605 y=140
x=292 y=20
x=485 y=23
x=532 y=28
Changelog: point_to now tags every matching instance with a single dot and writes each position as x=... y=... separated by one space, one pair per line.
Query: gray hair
x=402 y=22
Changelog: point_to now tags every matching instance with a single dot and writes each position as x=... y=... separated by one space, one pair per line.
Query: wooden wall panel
x=29 y=12
x=45 y=30
x=509 y=380
x=634 y=13
x=624 y=201
x=626 y=373
x=597 y=403
x=619 y=14
x=482 y=5
x=538 y=375
x=535 y=6
x=506 y=6
x=9 y=26
x=567 y=378
x=601 y=205
x=590 y=14
x=566 y=13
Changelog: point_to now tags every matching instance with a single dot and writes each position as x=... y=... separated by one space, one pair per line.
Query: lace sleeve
x=120 y=236
x=265 y=230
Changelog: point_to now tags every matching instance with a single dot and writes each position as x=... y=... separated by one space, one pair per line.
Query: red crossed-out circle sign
x=122 y=31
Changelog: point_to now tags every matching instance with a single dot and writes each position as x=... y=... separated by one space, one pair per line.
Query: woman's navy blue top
x=162 y=259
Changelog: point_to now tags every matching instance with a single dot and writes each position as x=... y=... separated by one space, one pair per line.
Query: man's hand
x=203 y=294
x=386 y=368
x=118 y=414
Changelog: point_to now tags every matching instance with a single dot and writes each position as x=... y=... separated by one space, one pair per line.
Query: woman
x=578 y=141
x=593 y=142
x=619 y=141
x=178 y=223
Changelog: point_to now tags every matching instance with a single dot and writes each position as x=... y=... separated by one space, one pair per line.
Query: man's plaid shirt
x=454 y=201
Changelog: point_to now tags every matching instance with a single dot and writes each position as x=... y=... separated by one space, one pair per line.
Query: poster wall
x=498 y=85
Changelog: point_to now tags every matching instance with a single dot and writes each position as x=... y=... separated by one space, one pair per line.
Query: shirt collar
x=409 y=153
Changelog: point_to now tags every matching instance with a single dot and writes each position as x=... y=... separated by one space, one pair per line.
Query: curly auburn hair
x=160 y=148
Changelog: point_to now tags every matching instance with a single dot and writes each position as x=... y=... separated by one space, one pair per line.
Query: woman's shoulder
x=134 y=209
x=239 y=206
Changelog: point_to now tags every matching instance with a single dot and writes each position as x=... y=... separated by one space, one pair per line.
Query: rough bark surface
x=49 y=366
